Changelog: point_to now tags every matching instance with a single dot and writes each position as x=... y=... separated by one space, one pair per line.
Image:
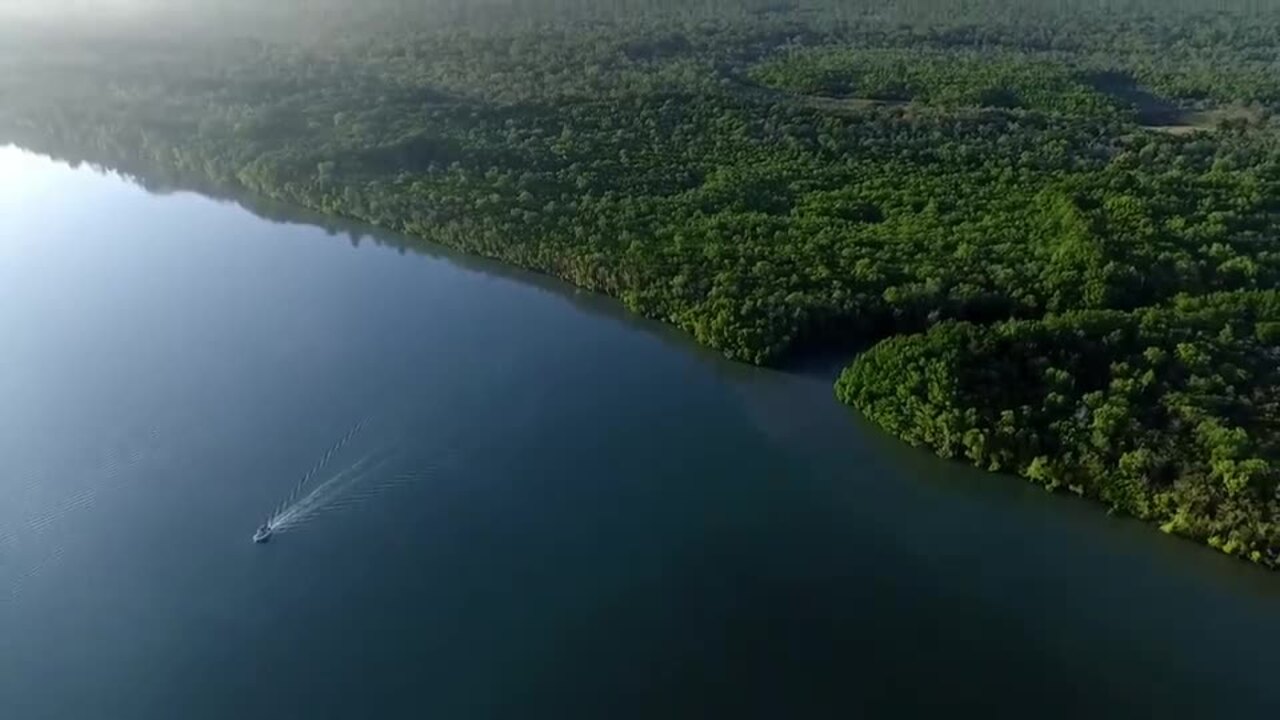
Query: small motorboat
x=263 y=533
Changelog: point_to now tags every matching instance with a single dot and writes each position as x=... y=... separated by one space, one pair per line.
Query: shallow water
x=572 y=513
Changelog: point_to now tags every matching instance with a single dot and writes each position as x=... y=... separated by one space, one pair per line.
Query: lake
x=507 y=499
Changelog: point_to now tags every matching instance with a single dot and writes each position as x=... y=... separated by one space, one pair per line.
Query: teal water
x=550 y=509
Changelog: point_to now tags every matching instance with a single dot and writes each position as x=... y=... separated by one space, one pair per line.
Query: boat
x=263 y=533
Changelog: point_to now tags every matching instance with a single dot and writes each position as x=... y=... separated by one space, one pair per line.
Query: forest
x=1049 y=226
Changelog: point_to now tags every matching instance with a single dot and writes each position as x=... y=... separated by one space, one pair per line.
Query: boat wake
x=326 y=495
x=43 y=504
x=367 y=477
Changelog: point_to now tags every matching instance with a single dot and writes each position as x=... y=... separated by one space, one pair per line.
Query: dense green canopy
x=1083 y=196
x=1169 y=414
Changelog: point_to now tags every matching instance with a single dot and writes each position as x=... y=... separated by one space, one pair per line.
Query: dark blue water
x=550 y=510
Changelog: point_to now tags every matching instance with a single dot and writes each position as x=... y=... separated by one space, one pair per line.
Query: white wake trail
x=337 y=447
x=326 y=494
x=363 y=480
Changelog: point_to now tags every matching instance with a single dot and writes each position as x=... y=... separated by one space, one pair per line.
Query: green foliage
x=1157 y=412
x=953 y=78
x=1098 y=296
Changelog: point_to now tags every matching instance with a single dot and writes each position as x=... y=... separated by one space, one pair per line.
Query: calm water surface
x=549 y=510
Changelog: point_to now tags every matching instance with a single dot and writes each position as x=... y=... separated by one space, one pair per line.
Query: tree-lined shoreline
x=1058 y=288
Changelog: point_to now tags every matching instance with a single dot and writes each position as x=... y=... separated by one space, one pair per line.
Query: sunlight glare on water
x=24 y=175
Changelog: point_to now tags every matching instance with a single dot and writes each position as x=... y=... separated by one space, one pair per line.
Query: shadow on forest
x=1152 y=110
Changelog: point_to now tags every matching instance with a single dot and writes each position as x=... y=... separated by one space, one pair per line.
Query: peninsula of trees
x=1055 y=224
